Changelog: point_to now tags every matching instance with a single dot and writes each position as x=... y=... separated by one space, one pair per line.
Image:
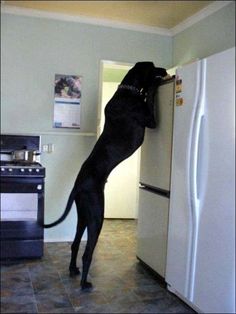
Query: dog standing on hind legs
x=129 y=111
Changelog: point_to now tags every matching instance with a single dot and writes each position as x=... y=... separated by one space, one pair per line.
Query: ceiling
x=162 y=14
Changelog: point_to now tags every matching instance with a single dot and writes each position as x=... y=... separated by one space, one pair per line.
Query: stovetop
x=12 y=163
x=21 y=169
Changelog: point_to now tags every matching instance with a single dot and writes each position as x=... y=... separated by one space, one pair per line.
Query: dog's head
x=160 y=74
x=145 y=78
x=145 y=74
x=148 y=78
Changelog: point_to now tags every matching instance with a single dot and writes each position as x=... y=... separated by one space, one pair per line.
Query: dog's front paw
x=74 y=271
x=86 y=286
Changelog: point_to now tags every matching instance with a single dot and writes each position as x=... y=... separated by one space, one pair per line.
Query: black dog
x=129 y=111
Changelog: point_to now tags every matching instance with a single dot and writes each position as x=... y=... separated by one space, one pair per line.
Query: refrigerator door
x=201 y=234
x=182 y=230
x=156 y=149
x=152 y=230
x=214 y=280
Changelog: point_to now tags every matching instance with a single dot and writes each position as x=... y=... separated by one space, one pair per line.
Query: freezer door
x=214 y=283
x=156 y=149
x=152 y=230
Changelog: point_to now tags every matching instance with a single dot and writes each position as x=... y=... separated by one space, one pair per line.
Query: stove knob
x=10 y=170
x=30 y=170
x=37 y=170
x=22 y=170
x=2 y=169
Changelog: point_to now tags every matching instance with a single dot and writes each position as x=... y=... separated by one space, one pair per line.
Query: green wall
x=113 y=75
x=213 y=34
x=33 y=51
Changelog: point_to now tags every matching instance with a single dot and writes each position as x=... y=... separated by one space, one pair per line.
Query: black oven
x=22 y=206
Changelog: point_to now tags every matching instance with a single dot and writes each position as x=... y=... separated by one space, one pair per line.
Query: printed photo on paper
x=67 y=97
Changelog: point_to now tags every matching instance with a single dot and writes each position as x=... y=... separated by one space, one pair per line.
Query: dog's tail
x=66 y=212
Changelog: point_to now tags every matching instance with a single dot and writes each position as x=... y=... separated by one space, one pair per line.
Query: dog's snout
x=167 y=77
x=160 y=73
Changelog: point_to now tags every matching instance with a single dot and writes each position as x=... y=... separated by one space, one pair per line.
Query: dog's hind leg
x=93 y=234
x=95 y=214
x=74 y=270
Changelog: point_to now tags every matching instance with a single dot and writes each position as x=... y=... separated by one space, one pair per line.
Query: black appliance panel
x=23 y=239
x=11 y=142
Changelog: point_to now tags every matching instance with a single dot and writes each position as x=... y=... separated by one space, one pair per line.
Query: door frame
x=103 y=64
x=115 y=65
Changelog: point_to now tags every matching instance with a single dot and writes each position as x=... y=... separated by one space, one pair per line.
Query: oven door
x=22 y=215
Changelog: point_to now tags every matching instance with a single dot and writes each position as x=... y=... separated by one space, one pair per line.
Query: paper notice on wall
x=67 y=97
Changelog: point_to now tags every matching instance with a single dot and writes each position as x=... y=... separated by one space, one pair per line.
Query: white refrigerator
x=154 y=192
x=201 y=231
x=199 y=265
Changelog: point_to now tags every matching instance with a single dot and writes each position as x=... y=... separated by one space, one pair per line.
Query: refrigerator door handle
x=201 y=159
x=195 y=165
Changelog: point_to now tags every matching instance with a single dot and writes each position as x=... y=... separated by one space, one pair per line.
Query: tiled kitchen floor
x=121 y=283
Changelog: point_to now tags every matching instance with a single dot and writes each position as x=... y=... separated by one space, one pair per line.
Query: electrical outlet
x=50 y=148
x=45 y=148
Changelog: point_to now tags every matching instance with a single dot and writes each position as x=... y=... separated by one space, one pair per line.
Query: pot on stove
x=24 y=155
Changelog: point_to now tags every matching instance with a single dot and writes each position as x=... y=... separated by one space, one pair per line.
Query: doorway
x=121 y=190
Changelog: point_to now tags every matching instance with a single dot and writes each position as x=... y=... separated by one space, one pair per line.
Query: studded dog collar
x=133 y=89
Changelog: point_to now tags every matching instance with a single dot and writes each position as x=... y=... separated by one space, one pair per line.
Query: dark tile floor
x=121 y=283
